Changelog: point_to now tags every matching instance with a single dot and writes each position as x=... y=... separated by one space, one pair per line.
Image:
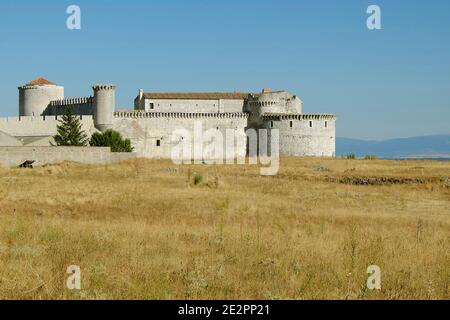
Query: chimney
x=141 y=94
x=266 y=90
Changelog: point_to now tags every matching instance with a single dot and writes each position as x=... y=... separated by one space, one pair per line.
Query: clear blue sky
x=394 y=82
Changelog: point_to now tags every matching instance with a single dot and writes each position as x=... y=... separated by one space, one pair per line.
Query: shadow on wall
x=9 y=141
x=79 y=106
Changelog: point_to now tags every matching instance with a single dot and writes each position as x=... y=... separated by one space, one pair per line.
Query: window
x=291 y=124
x=326 y=124
x=152 y=106
x=310 y=124
x=271 y=124
x=158 y=143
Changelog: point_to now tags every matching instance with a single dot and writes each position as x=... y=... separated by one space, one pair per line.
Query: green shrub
x=113 y=139
x=351 y=156
x=198 y=178
x=370 y=157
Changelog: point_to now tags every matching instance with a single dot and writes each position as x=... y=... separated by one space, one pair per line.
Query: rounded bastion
x=35 y=96
x=304 y=135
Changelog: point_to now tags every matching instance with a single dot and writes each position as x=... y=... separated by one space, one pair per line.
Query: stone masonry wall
x=39 y=126
x=151 y=133
x=198 y=106
x=298 y=138
x=14 y=156
x=80 y=106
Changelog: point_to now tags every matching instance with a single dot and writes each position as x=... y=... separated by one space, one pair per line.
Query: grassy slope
x=141 y=230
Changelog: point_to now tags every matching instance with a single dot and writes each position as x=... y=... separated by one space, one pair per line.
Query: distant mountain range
x=429 y=147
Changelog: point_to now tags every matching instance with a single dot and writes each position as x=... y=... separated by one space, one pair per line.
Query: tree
x=113 y=139
x=70 y=132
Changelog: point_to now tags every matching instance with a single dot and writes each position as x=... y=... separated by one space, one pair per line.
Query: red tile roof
x=40 y=82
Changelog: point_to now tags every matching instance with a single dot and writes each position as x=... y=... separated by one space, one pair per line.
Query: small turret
x=281 y=102
x=104 y=106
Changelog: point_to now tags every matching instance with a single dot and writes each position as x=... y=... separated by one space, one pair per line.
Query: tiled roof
x=196 y=95
x=40 y=82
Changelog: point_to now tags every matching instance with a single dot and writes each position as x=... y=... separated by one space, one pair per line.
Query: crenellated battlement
x=178 y=115
x=72 y=101
x=303 y=116
x=98 y=87
x=33 y=87
x=262 y=103
x=38 y=118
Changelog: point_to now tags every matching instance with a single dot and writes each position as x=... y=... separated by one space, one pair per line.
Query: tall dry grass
x=143 y=230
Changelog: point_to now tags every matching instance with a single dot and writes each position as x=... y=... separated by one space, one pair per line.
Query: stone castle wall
x=309 y=135
x=14 y=156
x=151 y=133
x=79 y=106
x=196 y=106
x=39 y=126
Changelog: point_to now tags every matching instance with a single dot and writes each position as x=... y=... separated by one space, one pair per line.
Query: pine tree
x=70 y=132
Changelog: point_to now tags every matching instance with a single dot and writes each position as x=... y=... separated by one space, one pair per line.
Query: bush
x=351 y=156
x=198 y=178
x=113 y=139
x=370 y=157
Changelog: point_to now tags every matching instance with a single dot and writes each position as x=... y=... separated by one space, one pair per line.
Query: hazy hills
x=433 y=147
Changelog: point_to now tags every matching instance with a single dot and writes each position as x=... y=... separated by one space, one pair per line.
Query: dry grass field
x=144 y=230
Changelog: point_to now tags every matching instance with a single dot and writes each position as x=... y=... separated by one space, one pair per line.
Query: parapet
x=176 y=115
x=72 y=101
x=302 y=116
x=97 y=87
x=79 y=106
x=39 y=118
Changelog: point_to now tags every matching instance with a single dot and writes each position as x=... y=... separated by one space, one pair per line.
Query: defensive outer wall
x=14 y=156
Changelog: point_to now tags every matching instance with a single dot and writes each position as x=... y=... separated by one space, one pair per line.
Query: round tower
x=104 y=105
x=35 y=96
x=281 y=102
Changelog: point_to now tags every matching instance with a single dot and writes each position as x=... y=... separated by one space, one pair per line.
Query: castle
x=150 y=125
